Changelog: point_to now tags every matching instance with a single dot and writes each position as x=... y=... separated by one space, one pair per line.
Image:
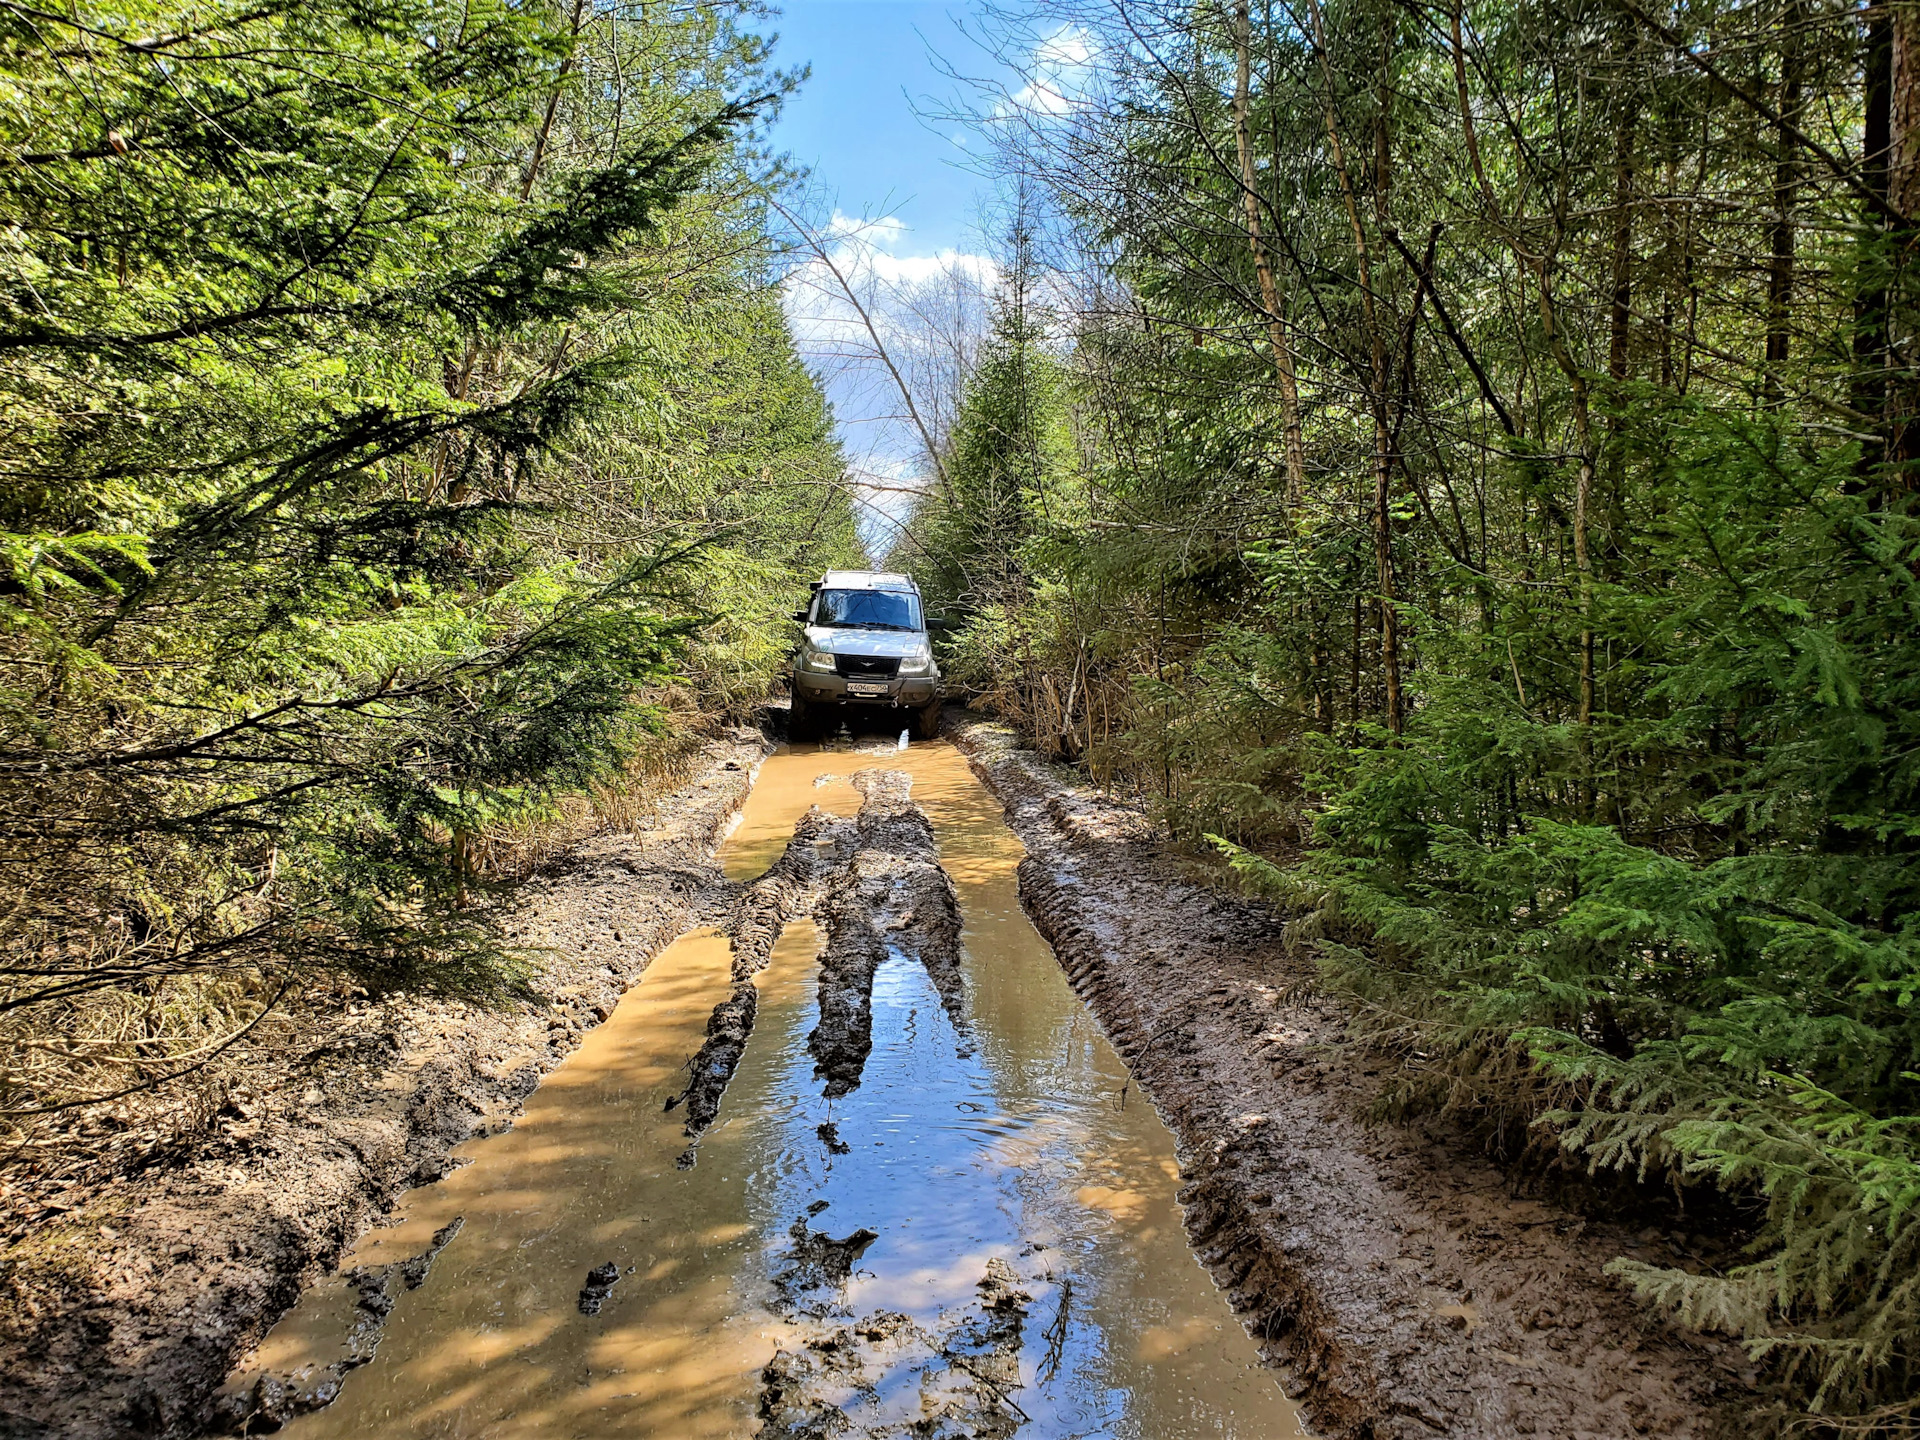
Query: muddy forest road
x=842 y=1151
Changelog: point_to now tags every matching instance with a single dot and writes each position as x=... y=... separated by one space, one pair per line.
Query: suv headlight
x=820 y=662
x=917 y=662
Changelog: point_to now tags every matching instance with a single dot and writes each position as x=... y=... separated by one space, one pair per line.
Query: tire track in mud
x=1408 y=1291
x=893 y=897
x=874 y=884
x=878 y=887
x=821 y=845
x=877 y=883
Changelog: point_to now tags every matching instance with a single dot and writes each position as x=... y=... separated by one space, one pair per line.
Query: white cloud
x=891 y=289
x=884 y=230
x=1057 y=73
x=928 y=311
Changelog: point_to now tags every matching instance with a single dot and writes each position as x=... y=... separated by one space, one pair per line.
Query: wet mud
x=892 y=899
x=133 y=1275
x=600 y=1282
x=1405 y=1285
x=856 y=915
x=955 y=1226
x=815 y=1269
x=820 y=847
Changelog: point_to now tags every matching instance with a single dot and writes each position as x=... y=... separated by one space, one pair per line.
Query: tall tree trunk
x=545 y=133
x=1870 y=303
x=1786 y=189
x=1619 y=326
x=1620 y=306
x=1382 y=516
x=1903 y=194
x=1582 y=504
x=1903 y=101
x=1296 y=454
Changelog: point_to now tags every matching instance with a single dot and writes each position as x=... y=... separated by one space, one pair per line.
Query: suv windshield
x=868 y=609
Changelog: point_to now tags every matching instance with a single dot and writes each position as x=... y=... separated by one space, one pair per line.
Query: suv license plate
x=859 y=687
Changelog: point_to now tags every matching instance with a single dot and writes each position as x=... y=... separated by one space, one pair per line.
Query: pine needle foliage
x=332 y=543
x=1494 y=510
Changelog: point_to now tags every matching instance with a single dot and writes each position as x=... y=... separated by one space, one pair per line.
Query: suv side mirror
x=941 y=624
x=801 y=616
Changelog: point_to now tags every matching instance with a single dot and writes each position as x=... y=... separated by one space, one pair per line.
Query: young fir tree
x=1007 y=451
x=312 y=322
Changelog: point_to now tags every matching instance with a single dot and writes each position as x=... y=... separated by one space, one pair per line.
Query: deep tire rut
x=876 y=884
x=892 y=898
x=1407 y=1290
x=821 y=845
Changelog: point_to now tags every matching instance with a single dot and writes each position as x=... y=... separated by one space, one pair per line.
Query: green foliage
x=1565 y=690
x=393 y=399
x=1007 y=452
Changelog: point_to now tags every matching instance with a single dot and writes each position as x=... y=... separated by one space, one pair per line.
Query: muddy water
x=1020 y=1144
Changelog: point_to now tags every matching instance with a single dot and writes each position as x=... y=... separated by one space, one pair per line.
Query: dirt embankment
x=133 y=1276
x=1392 y=1269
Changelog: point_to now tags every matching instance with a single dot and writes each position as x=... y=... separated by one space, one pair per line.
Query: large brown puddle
x=1023 y=1147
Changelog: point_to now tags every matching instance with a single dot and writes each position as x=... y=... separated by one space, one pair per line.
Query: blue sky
x=857 y=125
x=868 y=126
x=854 y=125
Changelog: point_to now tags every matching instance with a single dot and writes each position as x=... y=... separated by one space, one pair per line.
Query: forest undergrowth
x=1458 y=461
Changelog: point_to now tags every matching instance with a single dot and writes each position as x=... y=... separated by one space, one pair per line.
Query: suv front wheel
x=926 y=720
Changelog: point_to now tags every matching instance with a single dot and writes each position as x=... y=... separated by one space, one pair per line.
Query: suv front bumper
x=907 y=691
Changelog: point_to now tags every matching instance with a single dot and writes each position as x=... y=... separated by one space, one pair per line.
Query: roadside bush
x=1717 y=986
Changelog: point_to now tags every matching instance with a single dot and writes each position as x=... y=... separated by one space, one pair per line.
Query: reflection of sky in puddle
x=916 y=1167
x=1025 y=1152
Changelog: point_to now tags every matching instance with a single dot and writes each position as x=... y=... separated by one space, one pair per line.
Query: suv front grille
x=867 y=667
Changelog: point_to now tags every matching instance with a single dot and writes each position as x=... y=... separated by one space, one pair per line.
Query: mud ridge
x=132 y=1280
x=928 y=905
x=892 y=897
x=820 y=845
x=855 y=949
x=1392 y=1271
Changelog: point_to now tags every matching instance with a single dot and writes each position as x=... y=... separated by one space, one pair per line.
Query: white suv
x=865 y=645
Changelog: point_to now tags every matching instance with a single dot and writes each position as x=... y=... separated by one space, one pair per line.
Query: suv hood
x=895 y=643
